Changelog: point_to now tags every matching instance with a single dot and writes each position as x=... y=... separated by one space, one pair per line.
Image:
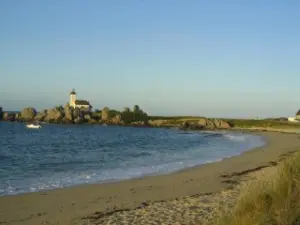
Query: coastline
x=70 y=205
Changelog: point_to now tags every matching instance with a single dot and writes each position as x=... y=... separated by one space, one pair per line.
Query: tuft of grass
x=271 y=201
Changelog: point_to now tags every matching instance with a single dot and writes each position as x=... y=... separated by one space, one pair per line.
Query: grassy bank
x=266 y=123
x=273 y=200
x=237 y=123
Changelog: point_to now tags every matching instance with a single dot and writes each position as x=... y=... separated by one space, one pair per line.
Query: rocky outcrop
x=220 y=124
x=40 y=116
x=68 y=115
x=205 y=124
x=79 y=120
x=1 y=113
x=18 y=117
x=5 y=115
x=87 y=116
x=68 y=111
x=66 y=121
x=77 y=113
x=28 y=114
x=92 y=121
x=157 y=123
x=116 y=120
x=105 y=114
x=54 y=116
x=8 y=116
x=139 y=123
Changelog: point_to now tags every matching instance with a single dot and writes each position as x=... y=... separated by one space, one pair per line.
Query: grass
x=249 y=123
x=270 y=201
x=237 y=123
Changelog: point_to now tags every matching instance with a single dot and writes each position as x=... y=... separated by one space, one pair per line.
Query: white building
x=81 y=104
x=292 y=119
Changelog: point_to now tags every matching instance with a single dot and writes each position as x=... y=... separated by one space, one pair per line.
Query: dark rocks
x=1 y=113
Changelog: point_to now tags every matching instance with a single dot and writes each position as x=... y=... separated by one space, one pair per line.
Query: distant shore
x=93 y=203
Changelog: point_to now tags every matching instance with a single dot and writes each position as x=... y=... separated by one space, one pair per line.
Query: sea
x=57 y=156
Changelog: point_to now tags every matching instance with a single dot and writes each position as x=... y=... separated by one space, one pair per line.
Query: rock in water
x=206 y=123
x=117 y=119
x=105 y=114
x=9 y=116
x=66 y=121
x=53 y=115
x=87 y=116
x=79 y=120
x=68 y=112
x=40 y=116
x=92 y=121
x=220 y=124
x=28 y=114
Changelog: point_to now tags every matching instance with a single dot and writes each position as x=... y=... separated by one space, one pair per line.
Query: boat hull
x=32 y=126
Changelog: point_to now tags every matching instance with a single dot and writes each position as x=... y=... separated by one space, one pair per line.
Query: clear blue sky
x=171 y=57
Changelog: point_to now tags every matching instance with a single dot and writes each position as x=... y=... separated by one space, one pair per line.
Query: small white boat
x=34 y=126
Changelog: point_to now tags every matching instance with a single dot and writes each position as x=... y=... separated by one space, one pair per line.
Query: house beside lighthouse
x=81 y=104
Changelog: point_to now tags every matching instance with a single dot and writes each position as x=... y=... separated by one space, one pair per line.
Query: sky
x=171 y=57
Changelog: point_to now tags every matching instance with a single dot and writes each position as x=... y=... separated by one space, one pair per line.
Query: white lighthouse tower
x=72 y=98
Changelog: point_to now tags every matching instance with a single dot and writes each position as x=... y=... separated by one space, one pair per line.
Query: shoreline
x=161 y=173
x=71 y=204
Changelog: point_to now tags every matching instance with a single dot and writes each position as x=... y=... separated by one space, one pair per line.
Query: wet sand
x=190 y=194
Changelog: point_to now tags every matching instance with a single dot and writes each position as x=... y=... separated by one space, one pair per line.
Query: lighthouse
x=73 y=98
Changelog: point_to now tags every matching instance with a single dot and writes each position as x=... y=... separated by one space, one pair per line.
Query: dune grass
x=274 y=200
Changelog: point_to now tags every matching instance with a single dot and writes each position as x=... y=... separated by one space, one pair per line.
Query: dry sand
x=186 y=197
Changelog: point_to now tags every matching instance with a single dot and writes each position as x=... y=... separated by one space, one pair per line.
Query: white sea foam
x=206 y=147
x=235 y=137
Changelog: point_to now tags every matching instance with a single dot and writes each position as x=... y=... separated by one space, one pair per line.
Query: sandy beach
x=186 y=197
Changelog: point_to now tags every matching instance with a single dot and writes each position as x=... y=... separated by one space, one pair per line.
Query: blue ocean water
x=65 y=155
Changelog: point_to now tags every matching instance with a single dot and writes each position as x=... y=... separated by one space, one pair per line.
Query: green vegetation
x=137 y=115
x=274 y=200
x=270 y=123
x=67 y=114
x=175 y=117
x=237 y=123
x=59 y=108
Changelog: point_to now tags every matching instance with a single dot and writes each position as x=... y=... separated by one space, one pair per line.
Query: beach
x=187 y=197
